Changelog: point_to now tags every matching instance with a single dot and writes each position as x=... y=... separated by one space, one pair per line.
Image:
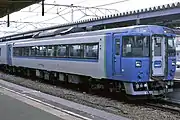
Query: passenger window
x=20 y=51
x=75 y=50
x=117 y=46
x=91 y=51
x=33 y=51
x=50 y=51
x=26 y=51
x=42 y=51
x=37 y=51
x=16 y=51
x=23 y=51
x=61 y=51
x=45 y=50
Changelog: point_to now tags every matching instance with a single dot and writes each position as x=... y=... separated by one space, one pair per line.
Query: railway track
x=164 y=106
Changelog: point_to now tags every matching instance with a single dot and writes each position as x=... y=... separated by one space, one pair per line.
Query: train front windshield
x=139 y=46
x=171 y=47
x=136 y=46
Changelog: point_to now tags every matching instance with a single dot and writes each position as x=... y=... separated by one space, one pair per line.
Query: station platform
x=13 y=109
x=58 y=107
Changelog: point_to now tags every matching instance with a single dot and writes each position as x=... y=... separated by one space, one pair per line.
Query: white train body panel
x=80 y=67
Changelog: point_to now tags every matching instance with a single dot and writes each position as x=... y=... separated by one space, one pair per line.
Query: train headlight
x=141 y=85
x=169 y=82
x=138 y=63
x=145 y=85
x=172 y=83
x=137 y=86
x=173 y=62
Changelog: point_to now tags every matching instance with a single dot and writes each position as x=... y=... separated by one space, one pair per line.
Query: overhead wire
x=112 y=3
x=61 y=11
x=79 y=2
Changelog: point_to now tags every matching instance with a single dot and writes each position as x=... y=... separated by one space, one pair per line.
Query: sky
x=30 y=18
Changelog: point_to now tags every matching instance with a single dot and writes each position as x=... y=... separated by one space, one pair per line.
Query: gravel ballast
x=134 y=112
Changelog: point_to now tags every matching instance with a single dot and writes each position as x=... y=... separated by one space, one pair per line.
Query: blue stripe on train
x=52 y=58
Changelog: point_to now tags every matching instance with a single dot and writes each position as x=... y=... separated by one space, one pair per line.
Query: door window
x=157 y=46
x=117 y=46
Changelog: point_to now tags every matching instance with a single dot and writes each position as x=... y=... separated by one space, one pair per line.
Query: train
x=139 y=60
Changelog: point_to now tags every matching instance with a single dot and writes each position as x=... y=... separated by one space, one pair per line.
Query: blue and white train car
x=141 y=60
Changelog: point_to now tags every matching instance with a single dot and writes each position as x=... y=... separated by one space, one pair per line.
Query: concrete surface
x=12 y=109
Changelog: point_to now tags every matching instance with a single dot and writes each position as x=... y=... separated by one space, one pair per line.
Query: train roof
x=66 y=33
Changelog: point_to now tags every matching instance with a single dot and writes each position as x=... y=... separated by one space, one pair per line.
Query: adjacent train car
x=140 y=60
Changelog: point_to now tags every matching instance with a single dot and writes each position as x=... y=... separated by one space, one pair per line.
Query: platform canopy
x=10 y=6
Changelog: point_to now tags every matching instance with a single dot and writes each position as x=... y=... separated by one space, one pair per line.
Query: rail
x=165 y=105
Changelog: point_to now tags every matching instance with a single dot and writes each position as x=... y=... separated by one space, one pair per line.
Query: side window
x=22 y=51
x=75 y=50
x=37 y=51
x=91 y=51
x=33 y=51
x=87 y=51
x=50 y=50
x=26 y=51
x=45 y=50
x=16 y=51
x=42 y=50
x=61 y=51
x=117 y=46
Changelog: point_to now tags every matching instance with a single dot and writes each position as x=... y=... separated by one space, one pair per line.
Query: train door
x=117 y=54
x=9 y=53
x=158 y=56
